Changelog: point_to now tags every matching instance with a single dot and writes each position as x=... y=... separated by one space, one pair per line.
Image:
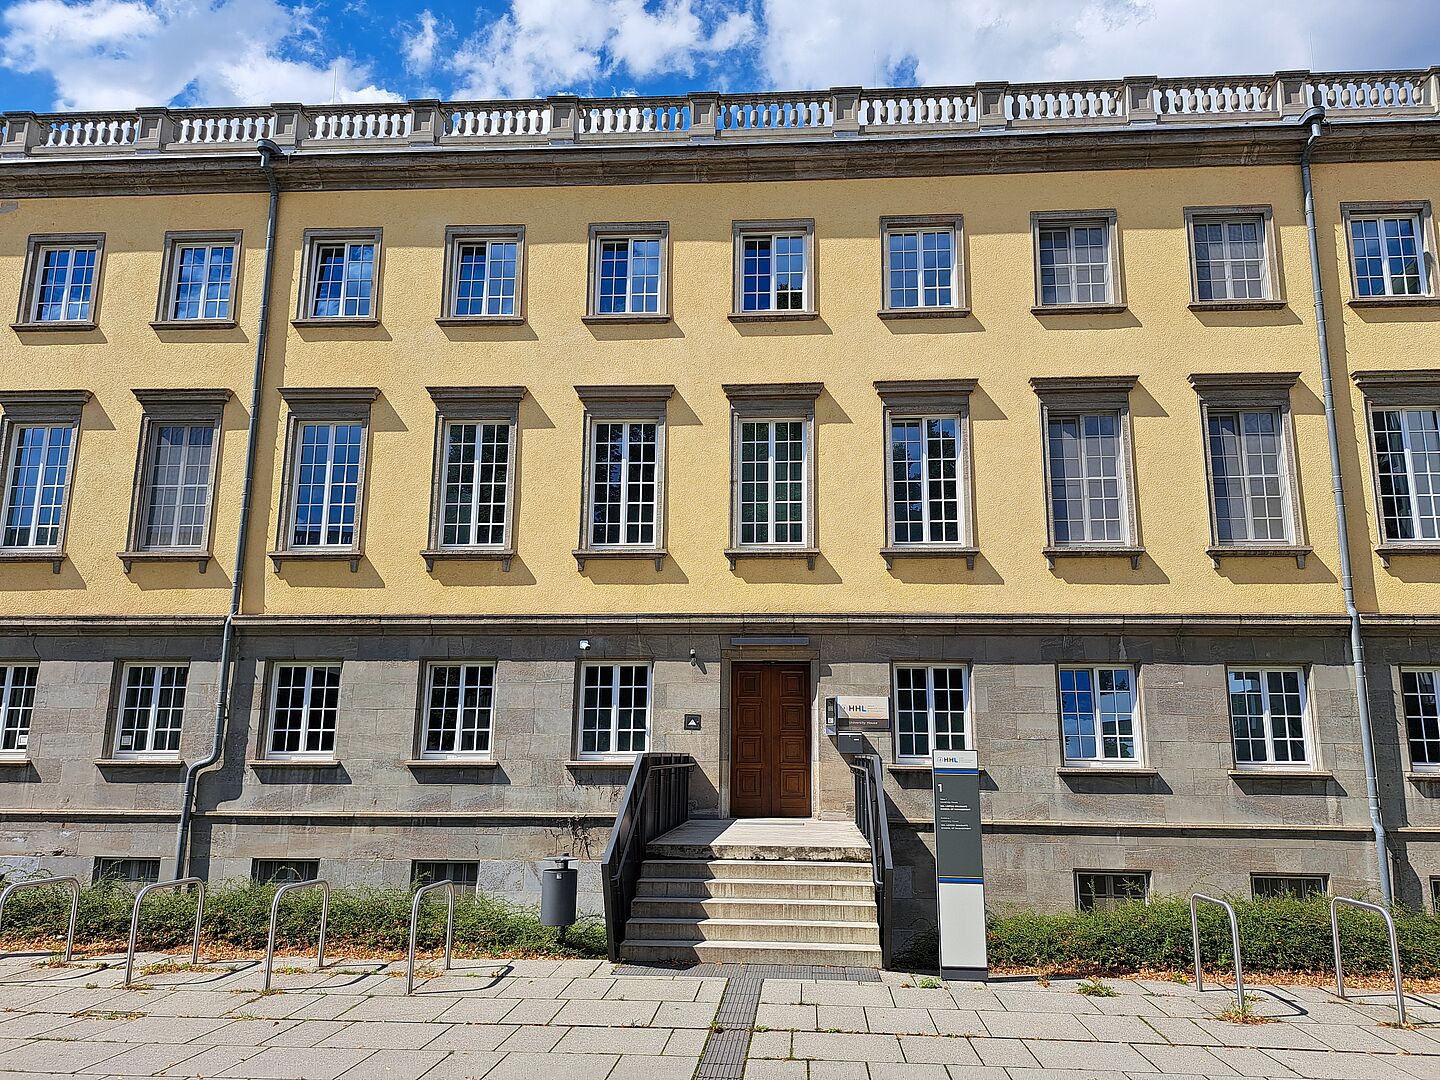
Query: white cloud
x=420 y=43
x=117 y=54
x=541 y=46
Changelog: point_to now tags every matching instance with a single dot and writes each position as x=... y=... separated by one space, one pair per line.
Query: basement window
x=464 y=874
x=1296 y=886
x=283 y=871
x=1105 y=890
x=114 y=870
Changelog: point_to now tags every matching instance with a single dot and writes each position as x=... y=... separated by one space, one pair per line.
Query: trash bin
x=558 y=885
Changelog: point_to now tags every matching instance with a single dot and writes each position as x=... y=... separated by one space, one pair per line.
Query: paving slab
x=298 y=1063
x=647 y=1067
x=566 y=1066
x=463 y=1065
x=842 y=1047
x=1110 y=1057
x=937 y=1050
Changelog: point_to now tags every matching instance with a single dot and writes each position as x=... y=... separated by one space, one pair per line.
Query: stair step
x=704 y=888
x=750 y=870
x=794 y=931
x=719 y=849
x=818 y=954
x=751 y=908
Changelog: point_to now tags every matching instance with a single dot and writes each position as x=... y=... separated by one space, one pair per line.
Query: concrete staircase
x=756 y=891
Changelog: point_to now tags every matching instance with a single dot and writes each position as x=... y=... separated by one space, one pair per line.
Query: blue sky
x=98 y=54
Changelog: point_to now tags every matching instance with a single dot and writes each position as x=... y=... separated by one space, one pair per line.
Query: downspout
x=1315 y=119
x=268 y=152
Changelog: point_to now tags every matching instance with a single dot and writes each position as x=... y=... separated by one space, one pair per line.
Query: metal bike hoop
x=1195 y=900
x=1335 y=904
x=314 y=883
x=35 y=883
x=178 y=883
x=449 y=887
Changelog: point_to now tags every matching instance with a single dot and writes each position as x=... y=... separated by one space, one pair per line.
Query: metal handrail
x=873 y=822
x=35 y=883
x=1335 y=903
x=1195 y=900
x=178 y=883
x=314 y=883
x=449 y=887
x=647 y=810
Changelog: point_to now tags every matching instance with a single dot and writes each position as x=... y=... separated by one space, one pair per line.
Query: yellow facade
x=1002 y=344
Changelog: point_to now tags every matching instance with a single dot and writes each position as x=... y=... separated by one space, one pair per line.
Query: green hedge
x=1276 y=935
x=238 y=914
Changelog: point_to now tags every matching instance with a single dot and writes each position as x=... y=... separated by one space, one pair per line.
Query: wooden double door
x=769 y=740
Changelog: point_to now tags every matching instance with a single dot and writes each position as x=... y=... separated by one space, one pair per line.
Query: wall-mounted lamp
x=584 y=644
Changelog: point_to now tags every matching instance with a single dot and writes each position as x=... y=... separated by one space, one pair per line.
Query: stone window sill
x=626 y=318
x=584 y=555
x=1389 y=551
x=1423 y=776
x=200 y=558
x=1094 y=551
x=1078 y=309
x=1281 y=774
x=327 y=555
x=14 y=762
x=924 y=313
x=311 y=322
x=480 y=320
x=773 y=316
x=194 y=324
x=293 y=763
x=929 y=551
x=500 y=555
x=809 y=554
x=1237 y=305
x=1105 y=770
x=47 y=327
x=451 y=763
x=916 y=767
x=22 y=555
x=600 y=763
x=1393 y=301
x=140 y=762
x=1298 y=552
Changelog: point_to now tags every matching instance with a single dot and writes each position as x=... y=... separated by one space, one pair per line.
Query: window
x=1097 y=715
x=925 y=479
x=1087 y=489
x=614 y=709
x=199 y=281
x=459 y=706
x=622 y=505
x=304 y=704
x=116 y=870
x=1230 y=255
x=152 y=708
x=930 y=711
x=484 y=273
x=772 y=482
x=477 y=484
x=1388 y=250
x=62 y=281
x=37 y=485
x=1295 y=886
x=177 y=485
x=341 y=276
x=1075 y=260
x=1267 y=716
x=325 y=463
x=921 y=261
x=628 y=271
x=1422 y=716
x=774 y=268
x=283 y=871
x=463 y=874
x=1248 y=481
x=1104 y=890
x=1435 y=895
x=1407 y=464
x=17 y=706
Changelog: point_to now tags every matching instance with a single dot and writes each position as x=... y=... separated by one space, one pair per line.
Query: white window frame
x=479 y=406
x=166 y=314
x=317 y=240
x=28 y=315
x=1323 y=879
x=459 y=237
x=272 y=699
x=12 y=449
x=628 y=499
x=152 y=712
x=625 y=405
x=1406 y=437
x=893 y=226
x=1247 y=475
x=1270 y=764
x=802 y=229
x=629 y=233
x=1069 y=221
x=348 y=405
x=613 y=730
x=1100 y=761
x=962 y=515
x=967 y=740
x=1418 y=212
x=1403 y=712
x=148 y=488
x=1262 y=217
x=1143 y=874
x=427 y=710
x=770 y=423
x=1121 y=479
x=11 y=713
x=506 y=430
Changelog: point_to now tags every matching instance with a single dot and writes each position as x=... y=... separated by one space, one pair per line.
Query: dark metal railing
x=872 y=821
x=656 y=800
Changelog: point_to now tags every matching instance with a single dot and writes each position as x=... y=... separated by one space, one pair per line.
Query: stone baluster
x=1292 y=93
x=23 y=132
x=564 y=117
x=845 y=111
x=427 y=122
x=704 y=110
x=1138 y=99
x=990 y=101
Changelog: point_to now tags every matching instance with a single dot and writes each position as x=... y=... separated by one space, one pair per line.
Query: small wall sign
x=859 y=713
x=692 y=721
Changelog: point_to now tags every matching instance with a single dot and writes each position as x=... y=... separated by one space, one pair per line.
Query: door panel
x=770 y=740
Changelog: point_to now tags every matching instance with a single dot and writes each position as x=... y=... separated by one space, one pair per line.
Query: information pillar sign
x=959 y=873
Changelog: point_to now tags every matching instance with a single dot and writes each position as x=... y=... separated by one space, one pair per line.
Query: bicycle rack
x=1394 y=949
x=314 y=883
x=1195 y=900
x=178 y=883
x=35 y=883
x=449 y=887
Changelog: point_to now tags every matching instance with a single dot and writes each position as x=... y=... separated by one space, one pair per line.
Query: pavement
x=588 y=1020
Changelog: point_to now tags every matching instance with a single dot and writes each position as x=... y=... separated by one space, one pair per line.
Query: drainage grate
x=727 y=1047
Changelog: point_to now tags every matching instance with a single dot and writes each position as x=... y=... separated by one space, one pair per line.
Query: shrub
x=237 y=914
